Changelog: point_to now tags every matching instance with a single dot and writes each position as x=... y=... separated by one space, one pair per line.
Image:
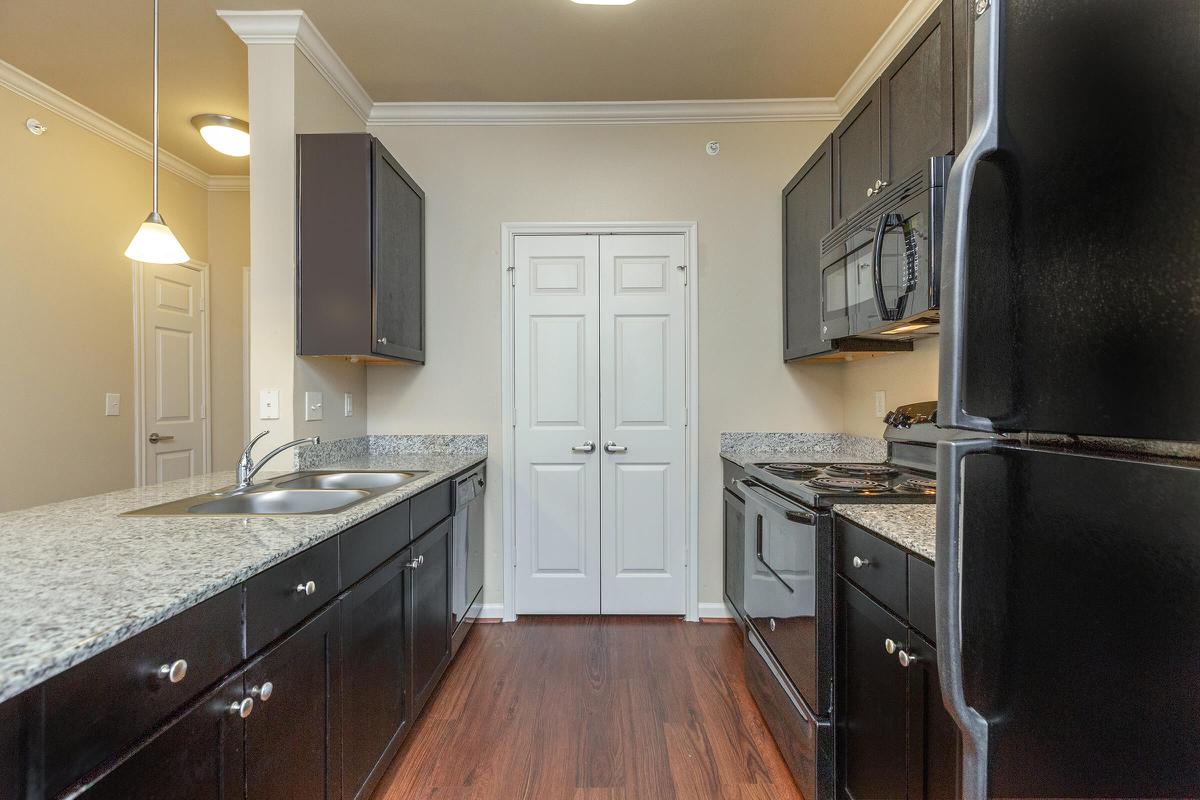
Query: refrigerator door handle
x=948 y=602
x=984 y=139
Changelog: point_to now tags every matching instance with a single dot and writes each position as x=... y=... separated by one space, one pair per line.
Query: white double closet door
x=599 y=382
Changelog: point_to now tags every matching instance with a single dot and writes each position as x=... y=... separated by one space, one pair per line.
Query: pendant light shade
x=154 y=243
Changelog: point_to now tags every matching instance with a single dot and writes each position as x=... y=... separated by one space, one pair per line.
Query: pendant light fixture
x=154 y=243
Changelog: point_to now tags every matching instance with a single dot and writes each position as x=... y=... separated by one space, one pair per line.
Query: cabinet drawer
x=922 y=613
x=431 y=507
x=98 y=708
x=372 y=542
x=277 y=599
x=882 y=570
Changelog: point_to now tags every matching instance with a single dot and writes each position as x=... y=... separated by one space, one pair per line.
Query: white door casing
x=172 y=383
x=642 y=409
x=557 y=398
x=600 y=354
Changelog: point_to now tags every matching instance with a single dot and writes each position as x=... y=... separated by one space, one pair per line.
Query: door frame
x=139 y=369
x=508 y=233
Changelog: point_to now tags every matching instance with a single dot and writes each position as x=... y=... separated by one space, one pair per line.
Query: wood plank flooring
x=592 y=708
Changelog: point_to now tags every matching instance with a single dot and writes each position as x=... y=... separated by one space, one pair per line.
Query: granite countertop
x=748 y=447
x=79 y=578
x=913 y=526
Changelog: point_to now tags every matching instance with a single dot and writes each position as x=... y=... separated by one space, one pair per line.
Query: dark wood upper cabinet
x=360 y=251
x=293 y=737
x=856 y=151
x=807 y=216
x=916 y=99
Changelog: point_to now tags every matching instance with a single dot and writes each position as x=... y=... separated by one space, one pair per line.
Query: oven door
x=781 y=583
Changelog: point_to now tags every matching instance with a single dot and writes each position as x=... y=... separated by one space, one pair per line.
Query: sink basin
x=350 y=480
x=281 y=501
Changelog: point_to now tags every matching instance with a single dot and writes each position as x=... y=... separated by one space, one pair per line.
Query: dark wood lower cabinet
x=293 y=737
x=735 y=552
x=375 y=662
x=430 y=612
x=196 y=757
x=932 y=735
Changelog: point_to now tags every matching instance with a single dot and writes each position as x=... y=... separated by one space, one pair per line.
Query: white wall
x=475 y=178
x=904 y=378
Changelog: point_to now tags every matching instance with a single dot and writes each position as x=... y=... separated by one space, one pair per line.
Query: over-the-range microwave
x=880 y=269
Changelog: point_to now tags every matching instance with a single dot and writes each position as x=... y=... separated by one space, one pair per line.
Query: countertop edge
x=909 y=526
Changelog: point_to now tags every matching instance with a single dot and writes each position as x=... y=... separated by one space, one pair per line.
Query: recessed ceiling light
x=225 y=134
x=602 y=2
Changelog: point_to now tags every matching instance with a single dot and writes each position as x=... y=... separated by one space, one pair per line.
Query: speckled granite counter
x=744 y=448
x=78 y=578
x=912 y=526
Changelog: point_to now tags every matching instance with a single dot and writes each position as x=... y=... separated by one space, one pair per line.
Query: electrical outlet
x=880 y=403
x=348 y=400
x=112 y=405
x=268 y=404
x=314 y=407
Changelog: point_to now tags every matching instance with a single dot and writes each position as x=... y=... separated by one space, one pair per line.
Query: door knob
x=613 y=447
x=587 y=447
x=156 y=438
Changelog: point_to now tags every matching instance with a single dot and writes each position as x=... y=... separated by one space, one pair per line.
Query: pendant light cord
x=155 y=110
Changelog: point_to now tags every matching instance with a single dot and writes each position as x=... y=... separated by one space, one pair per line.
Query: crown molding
x=228 y=183
x=295 y=28
x=47 y=96
x=886 y=47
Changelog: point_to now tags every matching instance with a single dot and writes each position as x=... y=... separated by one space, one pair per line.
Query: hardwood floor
x=592 y=708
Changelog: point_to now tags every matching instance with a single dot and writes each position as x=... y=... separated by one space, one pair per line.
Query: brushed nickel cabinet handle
x=242 y=708
x=307 y=589
x=174 y=672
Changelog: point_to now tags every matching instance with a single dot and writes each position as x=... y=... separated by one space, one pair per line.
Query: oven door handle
x=886 y=314
x=792 y=513
x=758 y=542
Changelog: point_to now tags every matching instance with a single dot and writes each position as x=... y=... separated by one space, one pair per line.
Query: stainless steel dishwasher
x=466 y=583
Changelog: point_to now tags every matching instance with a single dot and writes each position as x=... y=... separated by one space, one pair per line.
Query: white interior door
x=557 y=410
x=642 y=412
x=174 y=432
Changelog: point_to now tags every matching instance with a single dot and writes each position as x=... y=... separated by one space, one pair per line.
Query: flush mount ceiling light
x=154 y=243
x=225 y=134
x=602 y=2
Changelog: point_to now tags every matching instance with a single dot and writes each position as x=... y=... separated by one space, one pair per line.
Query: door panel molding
x=635 y=280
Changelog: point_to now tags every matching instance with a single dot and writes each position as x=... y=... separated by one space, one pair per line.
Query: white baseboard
x=492 y=611
x=715 y=611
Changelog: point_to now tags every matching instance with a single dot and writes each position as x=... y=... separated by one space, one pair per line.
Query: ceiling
x=98 y=53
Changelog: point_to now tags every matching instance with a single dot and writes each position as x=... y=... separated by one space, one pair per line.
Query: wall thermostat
x=712 y=148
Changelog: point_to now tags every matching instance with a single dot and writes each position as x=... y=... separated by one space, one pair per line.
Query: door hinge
x=683 y=268
x=512 y=276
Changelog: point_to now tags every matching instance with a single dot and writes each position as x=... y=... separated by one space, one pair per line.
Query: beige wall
x=70 y=201
x=228 y=256
x=477 y=177
x=904 y=377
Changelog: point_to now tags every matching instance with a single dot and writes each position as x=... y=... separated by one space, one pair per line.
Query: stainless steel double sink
x=310 y=492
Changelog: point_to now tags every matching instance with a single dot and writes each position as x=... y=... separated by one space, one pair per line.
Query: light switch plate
x=880 y=403
x=112 y=405
x=314 y=407
x=349 y=404
x=268 y=404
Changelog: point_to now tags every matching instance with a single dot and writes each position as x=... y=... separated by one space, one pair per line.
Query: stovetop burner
x=837 y=483
x=862 y=470
x=791 y=471
x=921 y=485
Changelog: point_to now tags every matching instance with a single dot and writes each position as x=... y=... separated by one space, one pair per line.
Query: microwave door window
x=866 y=309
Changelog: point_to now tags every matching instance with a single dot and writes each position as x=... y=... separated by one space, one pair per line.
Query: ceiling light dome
x=225 y=134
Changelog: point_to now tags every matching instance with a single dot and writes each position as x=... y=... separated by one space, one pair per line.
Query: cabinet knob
x=307 y=589
x=889 y=646
x=905 y=658
x=416 y=562
x=859 y=563
x=771 y=623
x=382 y=340
x=174 y=672
x=263 y=692
x=870 y=191
x=242 y=708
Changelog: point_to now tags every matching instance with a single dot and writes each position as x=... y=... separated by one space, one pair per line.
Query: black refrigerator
x=1068 y=542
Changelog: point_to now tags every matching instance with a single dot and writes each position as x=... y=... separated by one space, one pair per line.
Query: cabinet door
x=398 y=260
x=196 y=757
x=807 y=216
x=430 y=612
x=293 y=736
x=872 y=699
x=374 y=673
x=855 y=151
x=916 y=100
x=735 y=546
x=933 y=741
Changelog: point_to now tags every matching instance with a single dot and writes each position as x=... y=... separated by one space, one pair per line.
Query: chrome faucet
x=246 y=468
